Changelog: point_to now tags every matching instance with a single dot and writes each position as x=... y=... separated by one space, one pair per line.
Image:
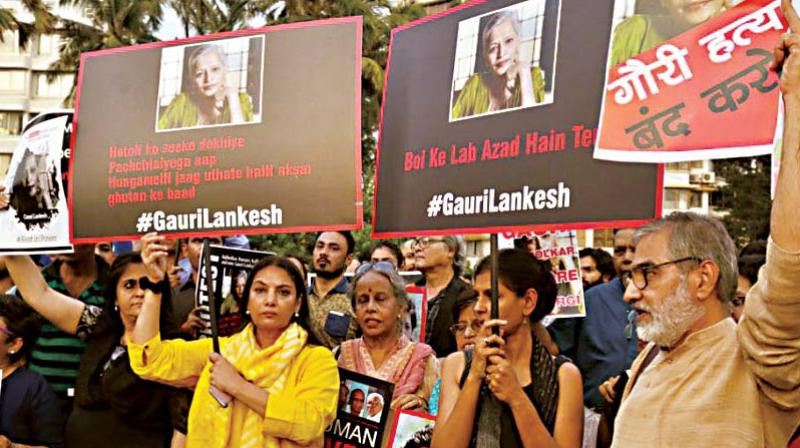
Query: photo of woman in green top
x=209 y=100
x=510 y=81
x=657 y=21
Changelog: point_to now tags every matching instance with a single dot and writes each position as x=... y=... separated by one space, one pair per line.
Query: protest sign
x=37 y=219
x=412 y=429
x=229 y=270
x=228 y=133
x=454 y=157
x=362 y=412
x=681 y=81
x=561 y=250
x=417 y=313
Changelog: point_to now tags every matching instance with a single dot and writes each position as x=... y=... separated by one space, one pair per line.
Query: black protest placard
x=252 y=131
x=363 y=411
x=229 y=270
x=476 y=137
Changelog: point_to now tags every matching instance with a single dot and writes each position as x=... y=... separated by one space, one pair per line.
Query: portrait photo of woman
x=502 y=60
x=211 y=84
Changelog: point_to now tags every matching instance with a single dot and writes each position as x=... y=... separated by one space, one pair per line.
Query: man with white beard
x=703 y=381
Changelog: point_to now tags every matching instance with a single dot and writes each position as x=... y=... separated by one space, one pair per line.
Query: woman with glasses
x=379 y=299
x=111 y=402
x=465 y=329
x=509 y=389
x=29 y=410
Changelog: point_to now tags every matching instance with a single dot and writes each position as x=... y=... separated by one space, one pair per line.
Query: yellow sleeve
x=538 y=84
x=303 y=415
x=172 y=360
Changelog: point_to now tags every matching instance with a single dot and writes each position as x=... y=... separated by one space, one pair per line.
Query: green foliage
x=113 y=23
x=43 y=21
x=745 y=197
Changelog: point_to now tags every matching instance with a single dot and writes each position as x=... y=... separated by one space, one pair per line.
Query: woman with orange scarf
x=283 y=388
x=379 y=300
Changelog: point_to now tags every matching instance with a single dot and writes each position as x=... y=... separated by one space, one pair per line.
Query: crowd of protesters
x=685 y=342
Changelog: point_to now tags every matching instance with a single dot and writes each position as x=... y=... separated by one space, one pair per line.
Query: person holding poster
x=284 y=387
x=510 y=81
x=683 y=282
x=379 y=298
x=509 y=388
x=209 y=100
x=111 y=402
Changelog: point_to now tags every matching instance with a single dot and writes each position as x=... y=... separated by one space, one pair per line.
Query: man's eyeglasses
x=7 y=332
x=641 y=274
x=383 y=266
x=426 y=242
x=474 y=325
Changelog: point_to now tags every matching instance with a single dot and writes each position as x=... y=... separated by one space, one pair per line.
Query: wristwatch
x=161 y=287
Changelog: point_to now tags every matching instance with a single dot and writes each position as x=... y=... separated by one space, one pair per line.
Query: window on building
x=59 y=88
x=10 y=123
x=47 y=45
x=677 y=199
x=12 y=81
x=604 y=238
x=9 y=45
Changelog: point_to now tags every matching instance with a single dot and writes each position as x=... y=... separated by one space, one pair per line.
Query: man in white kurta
x=709 y=382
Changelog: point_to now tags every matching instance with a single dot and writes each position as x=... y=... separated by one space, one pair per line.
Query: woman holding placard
x=383 y=351
x=509 y=388
x=111 y=402
x=283 y=388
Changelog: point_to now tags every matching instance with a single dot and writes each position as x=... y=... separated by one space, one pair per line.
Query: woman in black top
x=510 y=389
x=112 y=404
x=29 y=411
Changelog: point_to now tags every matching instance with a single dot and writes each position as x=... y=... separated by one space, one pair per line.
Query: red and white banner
x=706 y=93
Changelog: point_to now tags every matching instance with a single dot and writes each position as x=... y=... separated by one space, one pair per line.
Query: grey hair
x=397 y=282
x=693 y=235
x=495 y=20
x=456 y=243
x=205 y=49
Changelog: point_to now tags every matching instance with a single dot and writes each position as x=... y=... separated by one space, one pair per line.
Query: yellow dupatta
x=266 y=368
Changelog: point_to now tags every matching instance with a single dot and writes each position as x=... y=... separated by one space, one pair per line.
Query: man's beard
x=671 y=319
x=330 y=275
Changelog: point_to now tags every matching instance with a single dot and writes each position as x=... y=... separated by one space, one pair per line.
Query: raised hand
x=154 y=256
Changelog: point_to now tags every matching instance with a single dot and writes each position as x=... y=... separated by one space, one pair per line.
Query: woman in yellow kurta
x=284 y=390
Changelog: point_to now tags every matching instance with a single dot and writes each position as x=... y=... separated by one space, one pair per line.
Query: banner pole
x=494 y=263
x=221 y=397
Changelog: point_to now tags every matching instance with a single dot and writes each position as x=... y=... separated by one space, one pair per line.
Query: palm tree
x=111 y=24
x=42 y=21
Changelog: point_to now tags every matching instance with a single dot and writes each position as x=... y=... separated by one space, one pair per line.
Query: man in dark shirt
x=603 y=343
x=440 y=260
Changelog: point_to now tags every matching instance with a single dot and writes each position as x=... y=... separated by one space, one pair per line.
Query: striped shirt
x=57 y=355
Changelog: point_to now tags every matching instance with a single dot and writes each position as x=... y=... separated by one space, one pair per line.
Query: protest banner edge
x=359 y=205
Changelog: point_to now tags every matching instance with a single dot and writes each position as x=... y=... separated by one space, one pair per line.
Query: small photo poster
x=362 y=413
x=412 y=430
x=560 y=248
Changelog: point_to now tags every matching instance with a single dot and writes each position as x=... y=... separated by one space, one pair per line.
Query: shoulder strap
x=467 y=365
